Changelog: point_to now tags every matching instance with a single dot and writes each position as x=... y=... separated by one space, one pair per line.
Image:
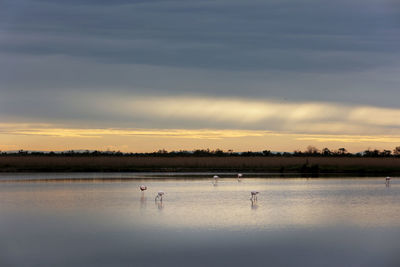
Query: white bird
x=143 y=188
x=387 y=180
x=159 y=195
x=254 y=195
x=239 y=176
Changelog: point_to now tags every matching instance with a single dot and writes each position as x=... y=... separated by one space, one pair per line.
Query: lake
x=99 y=219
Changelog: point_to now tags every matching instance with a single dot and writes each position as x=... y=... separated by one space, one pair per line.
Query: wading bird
x=254 y=195
x=239 y=176
x=387 y=180
x=159 y=195
x=143 y=188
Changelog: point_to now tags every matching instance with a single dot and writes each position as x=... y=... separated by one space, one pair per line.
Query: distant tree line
x=342 y=152
x=311 y=151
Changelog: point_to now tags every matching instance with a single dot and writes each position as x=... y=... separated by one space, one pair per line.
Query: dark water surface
x=295 y=222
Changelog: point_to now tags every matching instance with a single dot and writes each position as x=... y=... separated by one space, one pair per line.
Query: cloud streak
x=229 y=35
x=305 y=117
x=200 y=134
x=196 y=112
x=164 y=133
x=294 y=67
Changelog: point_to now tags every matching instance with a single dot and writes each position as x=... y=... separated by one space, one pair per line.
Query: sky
x=144 y=75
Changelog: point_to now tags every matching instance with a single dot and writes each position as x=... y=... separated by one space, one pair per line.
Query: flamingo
x=159 y=195
x=143 y=188
x=254 y=195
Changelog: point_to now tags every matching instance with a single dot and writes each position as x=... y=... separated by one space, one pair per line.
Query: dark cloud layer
x=308 y=50
x=288 y=35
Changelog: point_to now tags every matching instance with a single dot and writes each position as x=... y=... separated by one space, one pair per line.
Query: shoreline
x=118 y=177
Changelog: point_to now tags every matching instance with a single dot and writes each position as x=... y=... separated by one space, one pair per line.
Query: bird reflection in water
x=159 y=205
x=387 y=181
x=143 y=201
x=159 y=200
x=253 y=199
x=254 y=204
x=142 y=197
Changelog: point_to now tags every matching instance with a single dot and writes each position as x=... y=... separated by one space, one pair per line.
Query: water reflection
x=291 y=202
x=296 y=222
x=387 y=181
x=159 y=200
x=159 y=205
x=143 y=201
x=254 y=204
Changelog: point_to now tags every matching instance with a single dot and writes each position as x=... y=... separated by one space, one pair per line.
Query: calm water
x=295 y=222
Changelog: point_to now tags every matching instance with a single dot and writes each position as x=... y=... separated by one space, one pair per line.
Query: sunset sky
x=144 y=75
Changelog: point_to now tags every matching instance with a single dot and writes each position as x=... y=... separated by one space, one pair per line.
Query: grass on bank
x=315 y=165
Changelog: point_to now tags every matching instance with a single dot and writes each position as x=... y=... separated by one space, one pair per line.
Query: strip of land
x=305 y=165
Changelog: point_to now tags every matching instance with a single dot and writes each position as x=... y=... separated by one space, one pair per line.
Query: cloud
x=297 y=36
x=351 y=138
x=236 y=111
x=307 y=50
x=298 y=117
x=156 y=133
x=376 y=116
x=298 y=67
x=43 y=79
x=106 y=110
